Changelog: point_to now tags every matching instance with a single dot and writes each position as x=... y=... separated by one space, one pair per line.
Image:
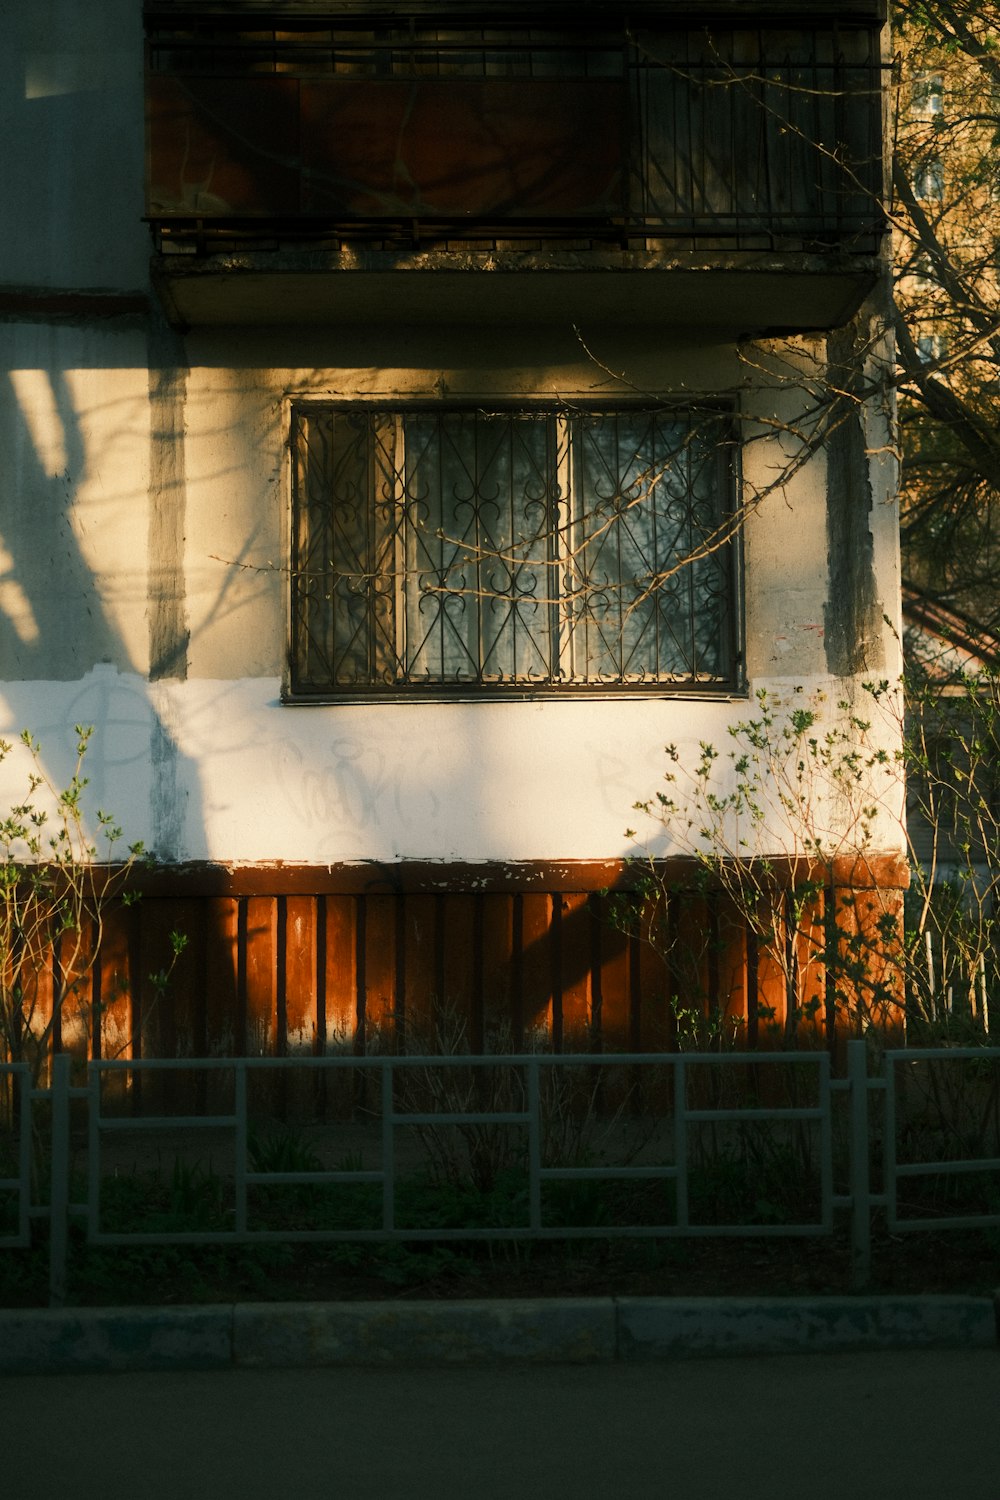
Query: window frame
x=730 y=684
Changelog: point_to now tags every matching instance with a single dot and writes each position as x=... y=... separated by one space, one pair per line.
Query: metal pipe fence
x=528 y=1146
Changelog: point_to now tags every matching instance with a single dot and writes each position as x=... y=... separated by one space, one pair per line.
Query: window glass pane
x=342 y=577
x=650 y=494
x=478 y=497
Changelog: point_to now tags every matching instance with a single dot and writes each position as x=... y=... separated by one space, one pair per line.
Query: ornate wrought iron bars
x=538 y=550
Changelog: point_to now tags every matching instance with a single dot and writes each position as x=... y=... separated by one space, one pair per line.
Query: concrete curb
x=35 y=1341
x=551 y=1331
x=556 y=1331
x=664 y=1328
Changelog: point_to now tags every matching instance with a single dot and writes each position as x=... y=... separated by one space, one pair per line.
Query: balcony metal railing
x=739 y=140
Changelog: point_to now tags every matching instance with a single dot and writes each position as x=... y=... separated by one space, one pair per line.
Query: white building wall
x=96 y=531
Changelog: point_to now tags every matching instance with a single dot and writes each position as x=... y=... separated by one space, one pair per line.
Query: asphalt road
x=860 y=1425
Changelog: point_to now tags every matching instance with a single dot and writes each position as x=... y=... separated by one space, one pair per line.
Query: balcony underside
x=729 y=293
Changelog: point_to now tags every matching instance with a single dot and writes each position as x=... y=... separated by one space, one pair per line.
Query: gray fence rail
x=560 y=1118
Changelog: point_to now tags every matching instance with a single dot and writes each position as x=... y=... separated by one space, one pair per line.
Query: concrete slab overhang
x=490 y=10
x=730 y=293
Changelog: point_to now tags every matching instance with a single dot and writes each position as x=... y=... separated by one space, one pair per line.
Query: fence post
x=534 y=1144
x=388 y=1145
x=860 y=1182
x=59 y=1181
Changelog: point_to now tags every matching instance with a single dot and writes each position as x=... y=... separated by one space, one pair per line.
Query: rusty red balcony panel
x=361 y=149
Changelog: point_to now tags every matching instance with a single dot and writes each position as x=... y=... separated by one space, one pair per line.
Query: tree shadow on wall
x=69 y=656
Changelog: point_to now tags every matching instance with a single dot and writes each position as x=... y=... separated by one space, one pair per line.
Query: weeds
x=62 y=871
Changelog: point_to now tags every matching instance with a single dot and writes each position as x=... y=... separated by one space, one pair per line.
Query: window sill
x=440 y=696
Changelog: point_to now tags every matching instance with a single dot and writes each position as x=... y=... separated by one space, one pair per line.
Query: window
x=923 y=273
x=931 y=347
x=928 y=98
x=510 y=551
x=928 y=181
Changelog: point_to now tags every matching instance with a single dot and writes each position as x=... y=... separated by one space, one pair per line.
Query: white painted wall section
x=219 y=770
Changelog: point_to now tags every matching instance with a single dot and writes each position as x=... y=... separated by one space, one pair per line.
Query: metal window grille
x=511 y=550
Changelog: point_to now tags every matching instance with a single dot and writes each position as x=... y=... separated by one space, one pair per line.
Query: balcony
x=351 y=169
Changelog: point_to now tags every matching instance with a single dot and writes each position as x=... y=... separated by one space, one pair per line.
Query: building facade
x=415 y=417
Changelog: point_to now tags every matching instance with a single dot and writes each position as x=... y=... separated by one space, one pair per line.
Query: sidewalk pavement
x=600 y=1330
x=899 y=1425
